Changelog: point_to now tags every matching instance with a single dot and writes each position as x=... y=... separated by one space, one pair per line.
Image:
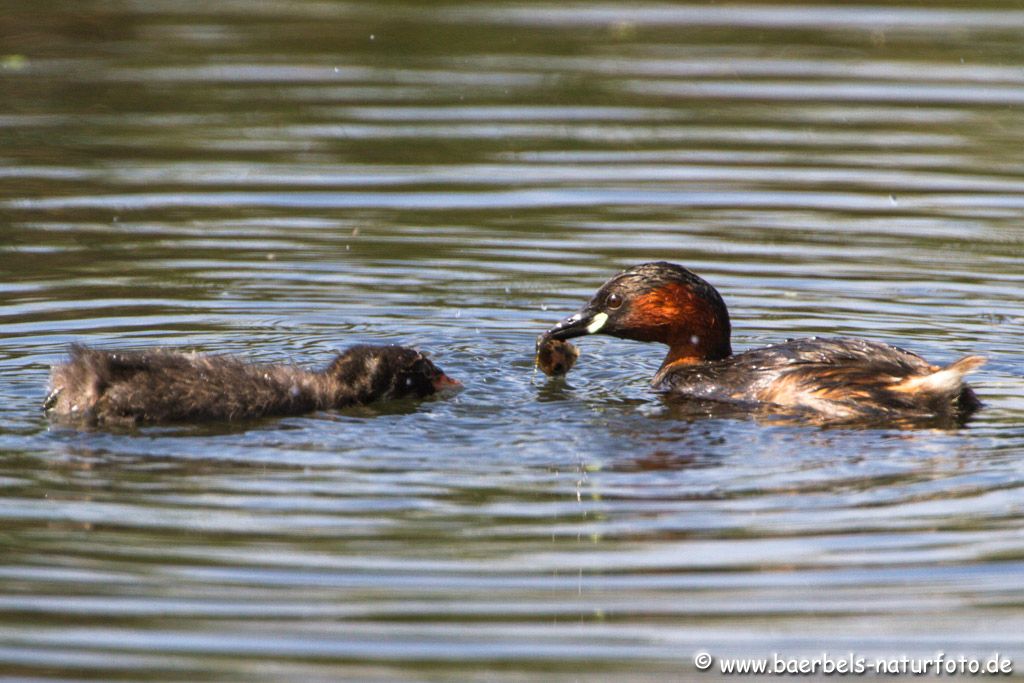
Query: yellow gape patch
x=597 y=323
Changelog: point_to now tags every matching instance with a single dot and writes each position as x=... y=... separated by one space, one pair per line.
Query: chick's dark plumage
x=160 y=386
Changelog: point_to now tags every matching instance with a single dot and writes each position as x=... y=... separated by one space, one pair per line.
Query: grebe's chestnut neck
x=657 y=302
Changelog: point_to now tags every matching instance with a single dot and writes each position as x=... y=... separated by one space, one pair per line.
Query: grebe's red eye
x=613 y=301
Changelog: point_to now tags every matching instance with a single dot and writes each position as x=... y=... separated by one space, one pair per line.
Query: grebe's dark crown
x=662 y=272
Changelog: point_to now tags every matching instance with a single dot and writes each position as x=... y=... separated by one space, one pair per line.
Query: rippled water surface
x=284 y=179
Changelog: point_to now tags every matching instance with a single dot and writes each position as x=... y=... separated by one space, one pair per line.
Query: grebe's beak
x=587 y=321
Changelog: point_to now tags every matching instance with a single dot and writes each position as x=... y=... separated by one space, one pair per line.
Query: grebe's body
x=835 y=378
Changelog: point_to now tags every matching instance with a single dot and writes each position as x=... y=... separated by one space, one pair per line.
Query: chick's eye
x=613 y=301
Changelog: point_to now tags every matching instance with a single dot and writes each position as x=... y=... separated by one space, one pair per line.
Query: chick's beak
x=587 y=321
x=444 y=383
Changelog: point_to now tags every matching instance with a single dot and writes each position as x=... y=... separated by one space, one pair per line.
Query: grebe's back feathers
x=837 y=377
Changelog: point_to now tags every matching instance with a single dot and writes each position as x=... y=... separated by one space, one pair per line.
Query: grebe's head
x=656 y=302
x=390 y=372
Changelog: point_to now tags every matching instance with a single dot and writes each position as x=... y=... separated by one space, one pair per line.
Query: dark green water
x=283 y=179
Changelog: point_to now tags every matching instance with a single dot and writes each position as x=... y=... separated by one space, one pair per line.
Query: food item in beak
x=554 y=357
